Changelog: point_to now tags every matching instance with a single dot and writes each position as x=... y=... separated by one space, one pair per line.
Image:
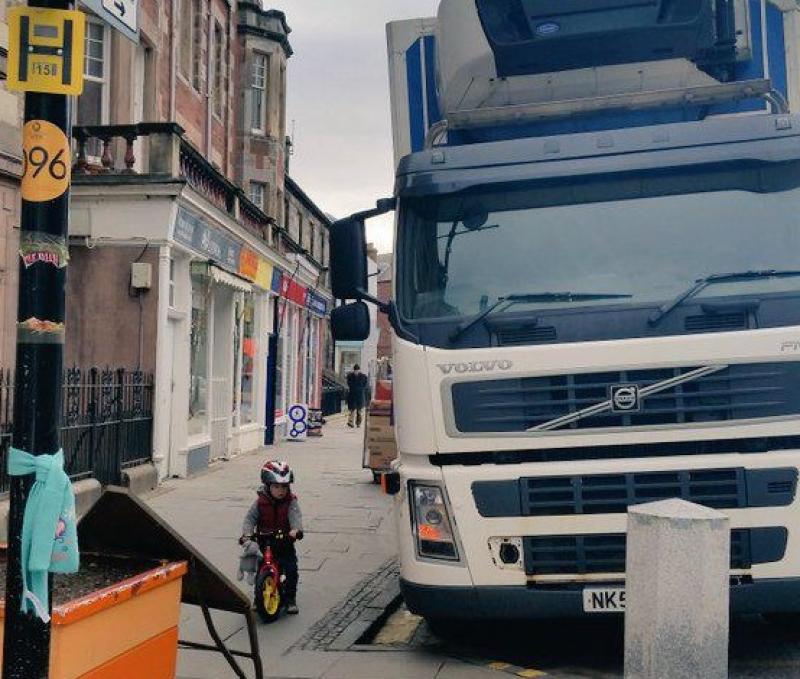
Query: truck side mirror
x=348 y=258
x=351 y=322
x=349 y=253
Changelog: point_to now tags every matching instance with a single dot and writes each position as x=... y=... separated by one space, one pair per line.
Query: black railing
x=107 y=422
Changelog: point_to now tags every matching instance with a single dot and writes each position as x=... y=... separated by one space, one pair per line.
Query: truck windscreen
x=641 y=240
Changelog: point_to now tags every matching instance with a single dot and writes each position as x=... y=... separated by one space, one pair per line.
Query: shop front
x=298 y=334
x=217 y=331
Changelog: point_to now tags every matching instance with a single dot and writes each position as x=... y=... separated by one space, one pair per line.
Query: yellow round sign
x=46 y=157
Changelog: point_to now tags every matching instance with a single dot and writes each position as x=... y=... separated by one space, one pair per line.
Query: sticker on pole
x=45 y=158
x=45 y=50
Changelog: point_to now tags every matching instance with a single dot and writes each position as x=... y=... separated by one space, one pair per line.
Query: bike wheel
x=268 y=598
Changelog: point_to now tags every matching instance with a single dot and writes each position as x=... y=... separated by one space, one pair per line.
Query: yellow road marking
x=530 y=674
x=499 y=665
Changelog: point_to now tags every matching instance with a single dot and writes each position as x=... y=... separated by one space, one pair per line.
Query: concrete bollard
x=677 y=592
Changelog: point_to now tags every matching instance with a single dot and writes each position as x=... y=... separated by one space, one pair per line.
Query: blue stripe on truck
x=434 y=114
x=415 y=99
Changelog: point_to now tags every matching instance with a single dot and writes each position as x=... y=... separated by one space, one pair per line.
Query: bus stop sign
x=123 y=15
x=45 y=50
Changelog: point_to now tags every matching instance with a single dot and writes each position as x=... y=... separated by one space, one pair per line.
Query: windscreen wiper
x=702 y=283
x=540 y=297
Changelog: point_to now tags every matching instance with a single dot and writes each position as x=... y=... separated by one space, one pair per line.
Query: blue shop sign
x=277 y=277
x=316 y=304
x=209 y=240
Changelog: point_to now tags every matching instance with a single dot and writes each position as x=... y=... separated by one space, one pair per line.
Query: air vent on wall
x=527 y=334
x=716 y=322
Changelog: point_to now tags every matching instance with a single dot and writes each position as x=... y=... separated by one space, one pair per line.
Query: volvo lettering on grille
x=474 y=367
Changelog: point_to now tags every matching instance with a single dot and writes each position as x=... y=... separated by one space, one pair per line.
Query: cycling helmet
x=276 y=471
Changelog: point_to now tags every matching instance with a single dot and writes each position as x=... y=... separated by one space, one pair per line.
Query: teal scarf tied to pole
x=49 y=527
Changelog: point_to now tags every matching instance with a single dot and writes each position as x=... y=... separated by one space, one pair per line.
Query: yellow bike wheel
x=272 y=597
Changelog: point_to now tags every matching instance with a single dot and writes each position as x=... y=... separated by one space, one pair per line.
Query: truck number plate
x=605 y=600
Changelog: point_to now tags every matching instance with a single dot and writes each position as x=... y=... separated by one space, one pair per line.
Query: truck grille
x=746 y=391
x=560 y=495
x=605 y=553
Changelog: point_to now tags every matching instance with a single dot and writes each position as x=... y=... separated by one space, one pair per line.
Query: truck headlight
x=433 y=529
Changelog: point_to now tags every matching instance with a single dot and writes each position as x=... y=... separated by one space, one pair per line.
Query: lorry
x=597 y=295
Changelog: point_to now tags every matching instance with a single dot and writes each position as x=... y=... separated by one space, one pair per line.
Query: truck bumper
x=472 y=603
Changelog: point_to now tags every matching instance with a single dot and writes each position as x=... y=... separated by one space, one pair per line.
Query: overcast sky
x=338 y=97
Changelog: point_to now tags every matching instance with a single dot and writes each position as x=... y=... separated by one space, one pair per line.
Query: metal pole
x=37 y=396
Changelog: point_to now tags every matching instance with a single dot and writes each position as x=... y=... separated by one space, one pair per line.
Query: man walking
x=356 y=395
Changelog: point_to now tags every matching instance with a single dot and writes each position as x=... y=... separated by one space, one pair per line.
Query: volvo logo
x=474 y=367
x=625 y=398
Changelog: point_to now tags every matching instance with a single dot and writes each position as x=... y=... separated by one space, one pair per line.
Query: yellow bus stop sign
x=45 y=50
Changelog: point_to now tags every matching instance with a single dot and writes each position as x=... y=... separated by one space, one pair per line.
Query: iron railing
x=106 y=426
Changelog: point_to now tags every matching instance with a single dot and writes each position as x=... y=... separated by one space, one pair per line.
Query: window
x=220 y=69
x=282 y=101
x=198 y=358
x=246 y=403
x=185 y=63
x=300 y=228
x=258 y=89
x=258 y=192
x=92 y=105
x=312 y=233
x=196 y=47
x=92 y=109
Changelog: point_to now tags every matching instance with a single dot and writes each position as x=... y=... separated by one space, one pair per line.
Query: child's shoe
x=291 y=608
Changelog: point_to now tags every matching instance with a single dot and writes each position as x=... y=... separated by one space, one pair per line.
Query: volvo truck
x=596 y=294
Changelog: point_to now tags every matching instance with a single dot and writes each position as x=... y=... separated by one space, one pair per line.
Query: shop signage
x=316 y=304
x=293 y=291
x=277 y=279
x=264 y=274
x=208 y=240
x=121 y=15
x=248 y=264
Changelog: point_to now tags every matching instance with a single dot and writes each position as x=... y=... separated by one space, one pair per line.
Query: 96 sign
x=45 y=152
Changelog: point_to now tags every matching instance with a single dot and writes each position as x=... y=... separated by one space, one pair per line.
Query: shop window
x=311 y=363
x=258 y=88
x=249 y=350
x=198 y=368
x=280 y=373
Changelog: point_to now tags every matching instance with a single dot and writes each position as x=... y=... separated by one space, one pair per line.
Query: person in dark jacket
x=276 y=508
x=356 y=395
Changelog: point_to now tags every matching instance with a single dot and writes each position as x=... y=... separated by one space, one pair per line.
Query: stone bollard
x=677 y=592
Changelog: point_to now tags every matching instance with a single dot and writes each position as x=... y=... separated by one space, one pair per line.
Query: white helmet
x=276 y=471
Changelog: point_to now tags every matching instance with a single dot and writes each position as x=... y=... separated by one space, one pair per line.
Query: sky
x=338 y=98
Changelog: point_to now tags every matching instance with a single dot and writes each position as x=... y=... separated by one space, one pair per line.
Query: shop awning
x=224 y=278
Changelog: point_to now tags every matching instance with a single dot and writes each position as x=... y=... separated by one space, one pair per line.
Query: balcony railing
x=159 y=152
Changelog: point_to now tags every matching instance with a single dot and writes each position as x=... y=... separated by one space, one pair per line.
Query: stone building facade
x=179 y=266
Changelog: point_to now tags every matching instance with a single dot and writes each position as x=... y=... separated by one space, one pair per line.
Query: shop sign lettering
x=210 y=241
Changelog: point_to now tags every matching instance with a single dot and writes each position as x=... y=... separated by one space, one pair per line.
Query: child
x=276 y=508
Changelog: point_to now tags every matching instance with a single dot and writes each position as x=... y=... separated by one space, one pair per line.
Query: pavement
x=352 y=624
x=347 y=567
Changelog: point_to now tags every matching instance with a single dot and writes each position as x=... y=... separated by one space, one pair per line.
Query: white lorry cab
x=597 y=294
